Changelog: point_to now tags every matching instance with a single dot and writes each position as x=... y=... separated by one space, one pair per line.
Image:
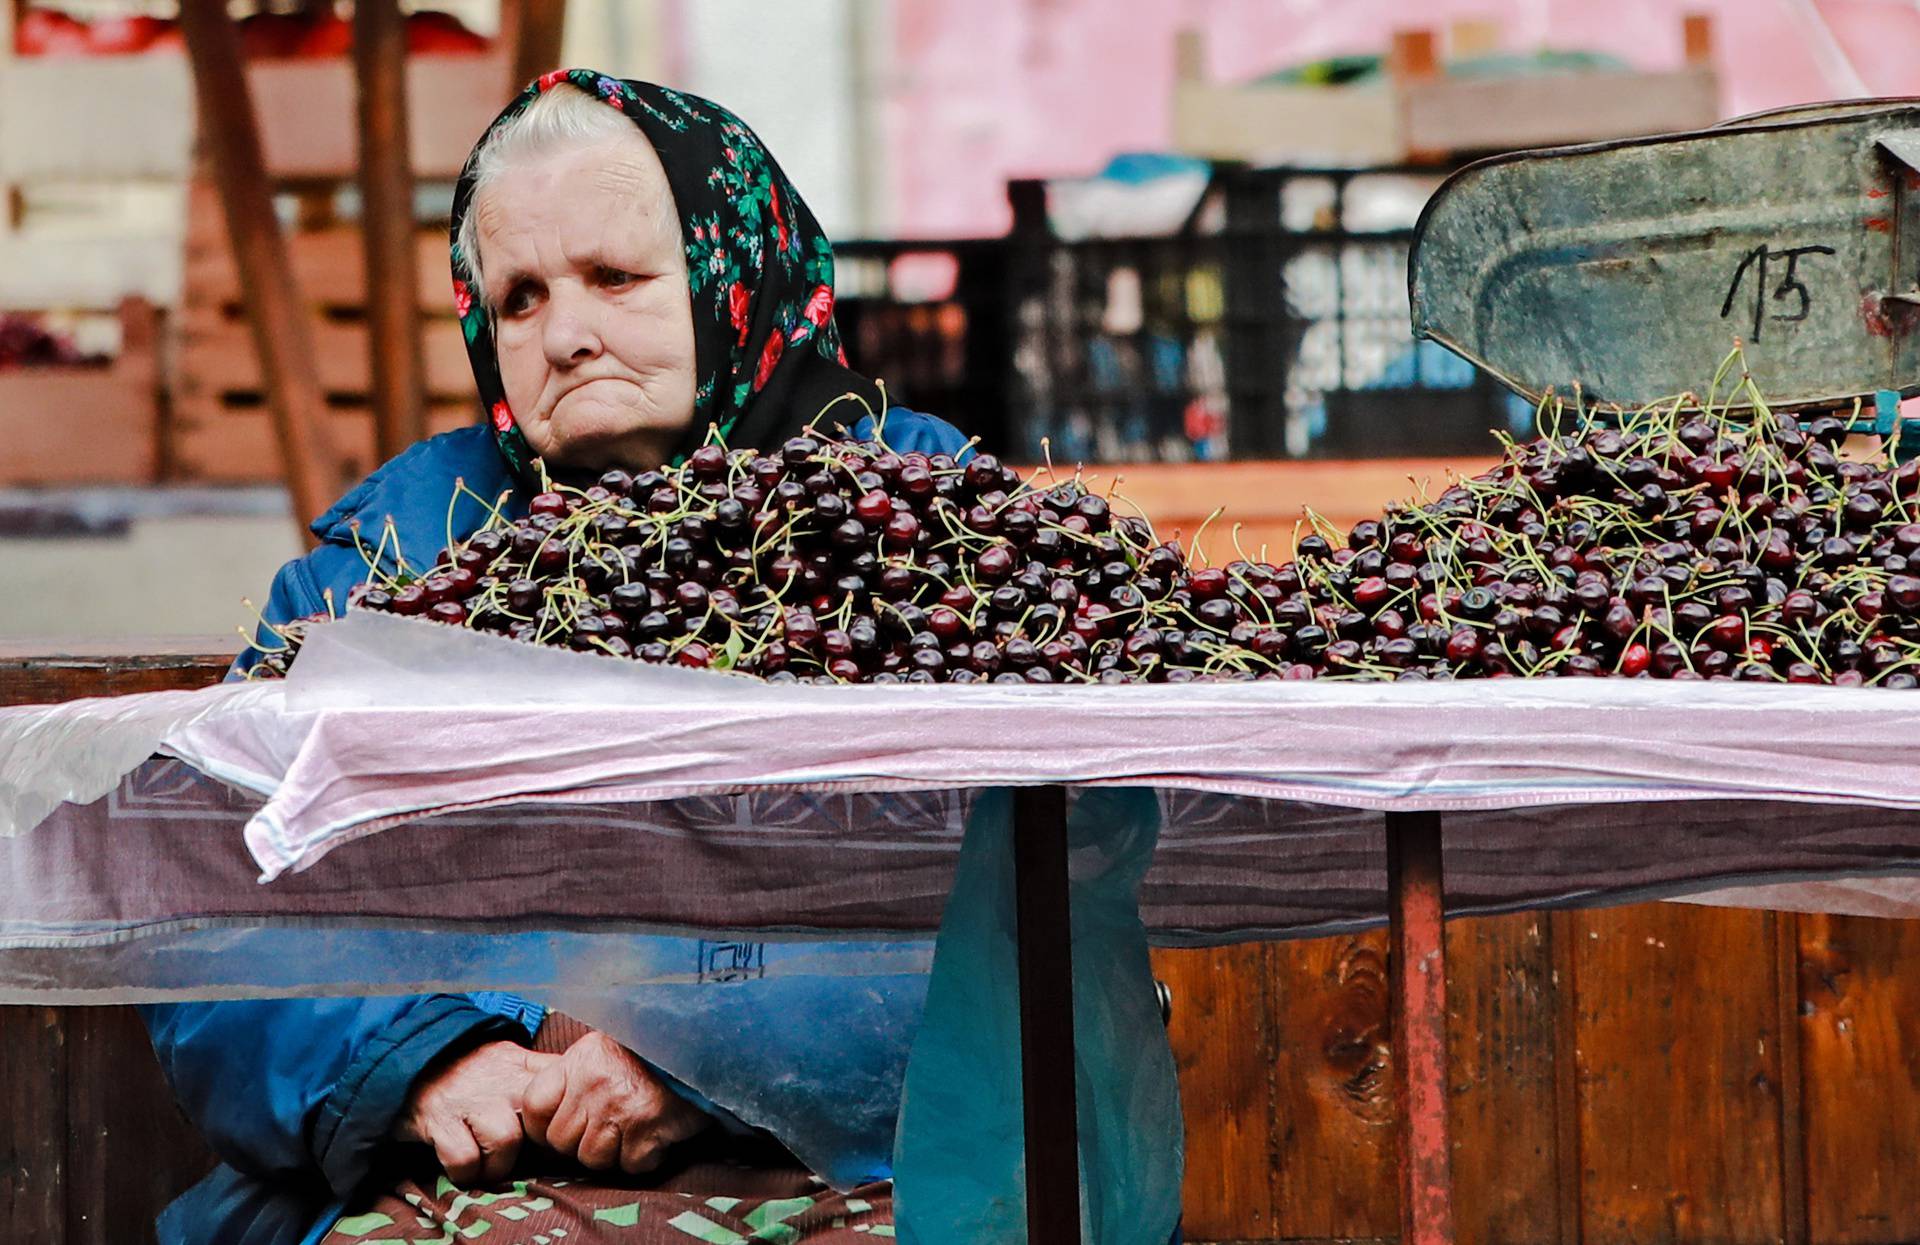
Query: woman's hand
x=600 y=1105
x=469 y=1111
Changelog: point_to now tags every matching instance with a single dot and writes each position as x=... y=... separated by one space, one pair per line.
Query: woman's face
x=593 y=323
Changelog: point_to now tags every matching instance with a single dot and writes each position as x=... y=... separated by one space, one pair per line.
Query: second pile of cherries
x=1675 y=546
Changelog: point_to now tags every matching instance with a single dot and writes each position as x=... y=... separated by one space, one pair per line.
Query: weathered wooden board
x=33 y=1123
x=1267 y=501
x=216 y=357
x=1860 y=1050
x=1500 y=1036
x=329 y=263
x=1223 y=1038
x=130 y=1150
x=86 y=425
x=216 y=441
x=1678 y=1047
x=219 y=430
x=306 y=112
x=38 y=672
x=1333 y=1153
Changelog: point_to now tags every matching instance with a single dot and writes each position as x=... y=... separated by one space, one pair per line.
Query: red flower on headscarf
x=779 y=221
x=737 y=309
x=819 y=306
x=502 y=416
x=552 y=76
x=462 y=298
x=768 y=357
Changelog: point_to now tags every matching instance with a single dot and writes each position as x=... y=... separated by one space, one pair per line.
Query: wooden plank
x=1269 y=499
x=276 y=310
x=86 y=425
x=1500 y=1032
x=328 y=263
x=210 y=443
x=1696 y=37
x=386 y=226
x=306 y=116
x=77 y=426
x=1222 y=1032
x=450 y=101
x=1356 y=124
x=217 y=355
x=34 y=672
x=33 y=1125
x=1333 y=1090
x=1793 y=1139
x=1563 y=933
x=1413 y=55
x=130 y=1149
x=1860 y=1049
x=1680 y=1076
x=1498 y=114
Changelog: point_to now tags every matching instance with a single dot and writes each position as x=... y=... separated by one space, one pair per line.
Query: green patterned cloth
x=766 y=1207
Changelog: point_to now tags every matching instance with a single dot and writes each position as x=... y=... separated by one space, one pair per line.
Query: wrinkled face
x=593 y=322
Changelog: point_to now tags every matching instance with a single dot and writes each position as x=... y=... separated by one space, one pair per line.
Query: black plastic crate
x=1271 y=326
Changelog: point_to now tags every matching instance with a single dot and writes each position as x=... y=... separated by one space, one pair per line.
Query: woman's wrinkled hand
x=600 y=1105
x=469 y=1111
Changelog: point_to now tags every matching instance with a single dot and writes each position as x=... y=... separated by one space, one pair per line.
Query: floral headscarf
x=767 y=354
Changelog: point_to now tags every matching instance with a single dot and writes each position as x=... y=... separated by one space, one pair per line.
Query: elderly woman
x=631 y=268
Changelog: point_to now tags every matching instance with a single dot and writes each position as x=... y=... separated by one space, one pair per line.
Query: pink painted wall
x=978 y=91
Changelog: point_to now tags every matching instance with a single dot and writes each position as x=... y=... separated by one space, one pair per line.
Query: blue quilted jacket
x=297 y=1096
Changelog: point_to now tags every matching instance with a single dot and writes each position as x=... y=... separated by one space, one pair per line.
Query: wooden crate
x=86 y=425
x=1418 y=113
x=67 y=118
x=220 y=430
x=1268 y=500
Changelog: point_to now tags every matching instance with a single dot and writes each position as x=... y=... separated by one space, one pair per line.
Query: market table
x=1279 y=804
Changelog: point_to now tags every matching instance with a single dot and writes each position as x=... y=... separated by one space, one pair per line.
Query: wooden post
x=1696 y=32
x=13 y=201
x=1796 y=1224
x=1473 y=36
x=276 y=312
x=1419 y=976
x=386 y=227
x=533 y=32
x=1563 y=928
x=1190 y=55
x=1045 y=933
x=1413 y=57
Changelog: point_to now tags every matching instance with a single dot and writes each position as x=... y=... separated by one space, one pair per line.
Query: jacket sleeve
x=312 y=1086
x=308 y=1088
x=908 y=431
x=300 y=589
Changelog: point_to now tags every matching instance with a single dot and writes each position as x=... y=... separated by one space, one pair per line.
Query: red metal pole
x=1416 y=909
x=1045 y=953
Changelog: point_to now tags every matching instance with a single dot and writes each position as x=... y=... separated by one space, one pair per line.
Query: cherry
x=995 y=563
x=902 y=531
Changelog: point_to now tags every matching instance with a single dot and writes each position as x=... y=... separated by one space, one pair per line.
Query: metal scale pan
x=1632 y=267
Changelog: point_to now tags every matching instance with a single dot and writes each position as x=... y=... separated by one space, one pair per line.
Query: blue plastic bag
x=959 y=1162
